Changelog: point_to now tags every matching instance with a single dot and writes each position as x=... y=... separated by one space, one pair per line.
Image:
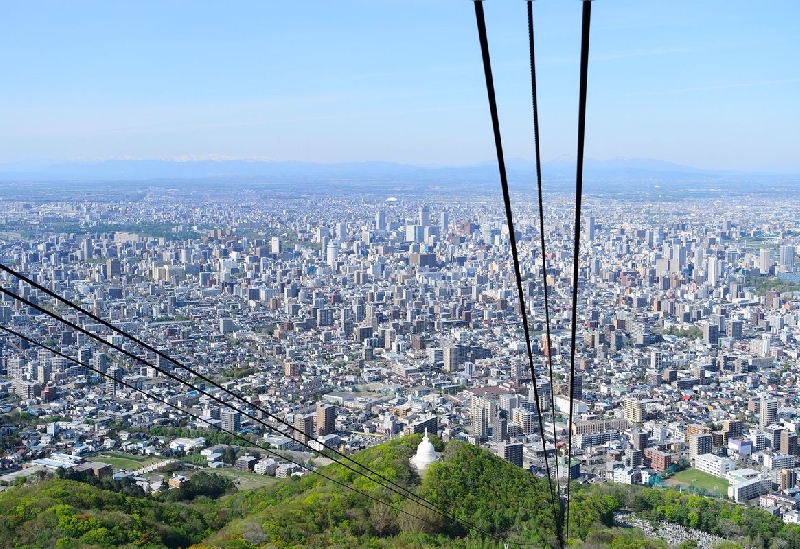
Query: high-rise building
x=87 y=248
x=326 y=419
x=590 y=228
x=332 y=254
x=276 y=246
x=710 y=333
x=43 y=373
x=500 y=429
x=100 y=362
x=787 y=259
x=511 y=451
x=453 y=357
x=713 y=270
x=768 y=412
x=226 y=325
x=480 y=422
x=113 y=269
x=231 y=420
x=113 y=380
x=788 y=478
x=656 y=360
x=735 y=329
x=577 y=386
x=700 y=444
x=732 y=429
x=444 y=222
x=633 y=410
x=788 y=442
x=639 y=439
x=765 y=260
x=303 y=427
x=15 y=366
x=380 y=220
x=424 y=216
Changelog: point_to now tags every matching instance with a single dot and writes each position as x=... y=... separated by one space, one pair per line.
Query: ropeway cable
x=196 y=417
x=403 y=491
x=388 y=484
x=548 y=339
x=584 y=71
x=487 y=70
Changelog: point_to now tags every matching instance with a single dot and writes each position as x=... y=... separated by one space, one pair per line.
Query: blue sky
x=712 y=84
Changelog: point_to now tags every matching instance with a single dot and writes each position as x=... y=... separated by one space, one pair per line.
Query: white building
x=778 y=461
x=266 y=466
x=714 y=465
x=748 y=490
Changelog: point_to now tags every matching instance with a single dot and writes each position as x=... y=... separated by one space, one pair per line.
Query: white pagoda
x=426 y=454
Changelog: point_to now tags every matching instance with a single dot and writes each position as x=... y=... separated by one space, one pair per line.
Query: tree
x=229 y=455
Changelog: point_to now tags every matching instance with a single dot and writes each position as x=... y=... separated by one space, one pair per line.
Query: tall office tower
x=768 y=412
x=276 y=246
x=231 y=420
x=678 y=261
x=713 y=270
x=333 y=253
x=735 y=329
x=341 y=231
x=590 y=228
x=788 y=478
x=639 y=439
x=424 y=216
x=303 y=427
x=788 y=442
x=113 y=380
x=500 y=429
x=711 y=333
x=444 y=222
x=511 y=451
x=113 y=268
x=577 y=386
x=699 y=256
x=326 y=419
x=87 y=248
x=787 y=259
x=380 y=220
x=765 y=260
x=100 y=362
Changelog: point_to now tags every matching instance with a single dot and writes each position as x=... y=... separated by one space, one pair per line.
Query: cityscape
x=356 y=319
x=400 y=275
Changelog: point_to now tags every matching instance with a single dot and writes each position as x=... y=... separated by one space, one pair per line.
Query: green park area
x=698 y=479
x=247 y=480
x=120 y=460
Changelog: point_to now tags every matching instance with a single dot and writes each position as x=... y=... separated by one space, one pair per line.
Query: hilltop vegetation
x=67 y=513
x=483 y=498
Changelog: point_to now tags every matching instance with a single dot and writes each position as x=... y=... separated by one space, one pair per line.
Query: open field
x=120 y=460
x=701 y=480
x=247 y=480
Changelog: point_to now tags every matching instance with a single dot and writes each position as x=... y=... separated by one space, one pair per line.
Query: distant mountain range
x=614 y=175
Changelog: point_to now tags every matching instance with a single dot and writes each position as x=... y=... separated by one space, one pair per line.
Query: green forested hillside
x=484 y=499
x=66 y=513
